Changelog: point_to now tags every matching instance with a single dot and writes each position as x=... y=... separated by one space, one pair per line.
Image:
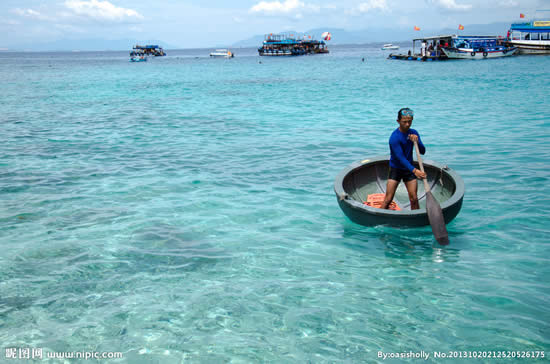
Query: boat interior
x=372 y=178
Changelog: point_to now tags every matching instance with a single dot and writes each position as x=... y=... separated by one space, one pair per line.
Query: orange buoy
x=376 y=199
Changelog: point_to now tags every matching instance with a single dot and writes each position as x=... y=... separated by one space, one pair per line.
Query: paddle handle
x=426 y=186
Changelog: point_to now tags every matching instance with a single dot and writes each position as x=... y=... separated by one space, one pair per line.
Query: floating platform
x=417 y=57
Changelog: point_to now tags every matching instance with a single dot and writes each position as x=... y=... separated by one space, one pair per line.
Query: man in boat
x=401 y=168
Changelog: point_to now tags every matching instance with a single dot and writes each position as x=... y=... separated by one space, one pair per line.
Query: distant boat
x=287 y=44
x=530 y=37
x=148 y=50
x=140 y=53
x=389 y=46
x=222 y=53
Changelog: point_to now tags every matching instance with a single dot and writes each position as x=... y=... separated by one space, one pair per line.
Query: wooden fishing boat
x=477 y=47
x=367 y=177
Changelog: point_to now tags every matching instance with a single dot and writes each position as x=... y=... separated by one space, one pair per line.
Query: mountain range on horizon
x=364 y=36
x=339 y=37
x=85 y=45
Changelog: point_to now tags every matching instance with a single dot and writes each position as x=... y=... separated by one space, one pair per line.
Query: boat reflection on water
x=136 y=58
x=404 y=245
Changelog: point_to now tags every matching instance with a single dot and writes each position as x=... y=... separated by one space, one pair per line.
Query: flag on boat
x=521 y=15
x=460 y=27
x=416 y=28
x=326 y=36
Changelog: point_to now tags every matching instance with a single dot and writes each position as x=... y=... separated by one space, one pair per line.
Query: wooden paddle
x=435 y=214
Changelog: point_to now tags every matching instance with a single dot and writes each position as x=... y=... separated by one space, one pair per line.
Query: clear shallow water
x=182 y=209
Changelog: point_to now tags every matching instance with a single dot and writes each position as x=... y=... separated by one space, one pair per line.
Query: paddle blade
x=437 y=222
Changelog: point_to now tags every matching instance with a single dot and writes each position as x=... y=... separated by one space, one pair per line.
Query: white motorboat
x=389 y=46
x=222 y=53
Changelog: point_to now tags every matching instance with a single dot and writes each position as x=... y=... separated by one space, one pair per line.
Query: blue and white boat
x=140 y=53
x=530 y=37
x=477 y=47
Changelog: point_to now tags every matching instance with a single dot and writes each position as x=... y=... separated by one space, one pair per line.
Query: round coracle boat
x=361 y=185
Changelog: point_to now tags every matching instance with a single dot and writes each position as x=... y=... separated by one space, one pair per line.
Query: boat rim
x=343 y=195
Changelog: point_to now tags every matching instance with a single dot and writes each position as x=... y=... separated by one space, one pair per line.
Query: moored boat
x=530 y=37
x=356 y=182
x=291 y=45
x=443 y=47
x=477 y=47
x=428 y=52
x=148 y=50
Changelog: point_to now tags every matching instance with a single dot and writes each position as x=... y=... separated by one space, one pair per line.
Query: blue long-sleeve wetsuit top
x=401 y=149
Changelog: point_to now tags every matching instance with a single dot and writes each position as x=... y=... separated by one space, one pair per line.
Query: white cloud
x=9 y=22
x=509 y=3
x=451 y=5
x=26 y=12
x=289 y=7
x=66 y=28
x=102 y=10
x=372 y=5
x=29 y=13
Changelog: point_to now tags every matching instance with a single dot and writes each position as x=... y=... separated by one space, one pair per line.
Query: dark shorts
x=400 y=174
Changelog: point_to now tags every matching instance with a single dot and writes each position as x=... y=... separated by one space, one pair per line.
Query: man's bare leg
x=391 y=187
x=412 y=187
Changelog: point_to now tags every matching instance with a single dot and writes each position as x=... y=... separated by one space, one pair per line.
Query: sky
x=195 y=24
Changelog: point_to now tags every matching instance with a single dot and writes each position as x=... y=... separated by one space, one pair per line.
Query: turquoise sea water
x=181 y=210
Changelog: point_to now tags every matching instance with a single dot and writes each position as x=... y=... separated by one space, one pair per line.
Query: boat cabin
x=148 y=50
x=535 y=30
x=530 y=37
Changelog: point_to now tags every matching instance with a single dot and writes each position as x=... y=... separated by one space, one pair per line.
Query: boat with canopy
x=530 y=37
